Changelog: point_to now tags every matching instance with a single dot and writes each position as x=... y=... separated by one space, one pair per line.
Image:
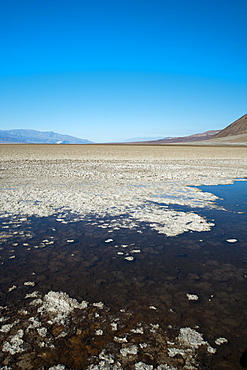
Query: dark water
x=161 y=274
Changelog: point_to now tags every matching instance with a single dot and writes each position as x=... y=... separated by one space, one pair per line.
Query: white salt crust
x=192 y=297
x=137 y=182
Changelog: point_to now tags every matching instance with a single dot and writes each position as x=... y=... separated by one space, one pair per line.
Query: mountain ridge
x=30 y=136
x=234 y=133
x=195 y=137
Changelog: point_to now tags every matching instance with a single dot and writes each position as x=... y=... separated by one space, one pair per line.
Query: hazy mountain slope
x=33 y=136
x=234 y=134
x=184 y=139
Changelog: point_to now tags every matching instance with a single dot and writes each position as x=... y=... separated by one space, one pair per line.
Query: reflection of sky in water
x=233 y=197
x=139 y=186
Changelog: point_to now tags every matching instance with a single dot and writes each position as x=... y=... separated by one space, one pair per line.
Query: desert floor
x=118 y=257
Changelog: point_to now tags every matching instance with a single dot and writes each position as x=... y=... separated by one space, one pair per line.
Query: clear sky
x=109 y=70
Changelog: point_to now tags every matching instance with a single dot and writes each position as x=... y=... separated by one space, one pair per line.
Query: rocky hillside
x=238 y=127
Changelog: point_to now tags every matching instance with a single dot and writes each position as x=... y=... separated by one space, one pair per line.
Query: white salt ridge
x=114 y=326
x=172 y=352
x=2 y=319
x=154 y=328
x=29 y=283
x=36 y=302
x=6 y=328
x=193 y=339
x=15 y=344
x=106 y=357
x=188 y=341
x=42 y=331
x=59 y=305
x=106 y=363
x=143 y=345
x=99 y=305
x=137 y=331
x=142 y=366
x=192 y=297
x=36 y=324
x=12 y=288
x=129 y=258
x=126 y=351
x=120 y=340
x=172 y=223
x=99 y=332
x=221 y=340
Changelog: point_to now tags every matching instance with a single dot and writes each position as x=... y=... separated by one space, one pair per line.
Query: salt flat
x=138 y=181
x=102 y=283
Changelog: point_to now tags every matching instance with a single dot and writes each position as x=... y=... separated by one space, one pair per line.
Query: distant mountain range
x=196 y=137
x=38 y=137
x=235 y=133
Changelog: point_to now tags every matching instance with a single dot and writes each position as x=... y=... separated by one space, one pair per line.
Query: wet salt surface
x=179 y=302
x=127 y=264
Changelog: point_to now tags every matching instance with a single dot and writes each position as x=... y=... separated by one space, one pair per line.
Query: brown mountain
x=235 y=133
x=184 y=139
x=238 y=127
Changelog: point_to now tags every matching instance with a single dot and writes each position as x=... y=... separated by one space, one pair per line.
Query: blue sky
x=112 y=70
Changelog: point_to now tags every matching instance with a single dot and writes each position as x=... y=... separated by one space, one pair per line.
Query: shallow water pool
x=145 y=280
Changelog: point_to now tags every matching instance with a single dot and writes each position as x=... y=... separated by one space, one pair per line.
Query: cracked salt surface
x=119 y=187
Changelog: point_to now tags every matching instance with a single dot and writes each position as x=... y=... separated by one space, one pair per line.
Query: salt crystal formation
x=57 y=323
x=192 y=297
x=15 y=344
x=220 y=341
x=59 y=305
